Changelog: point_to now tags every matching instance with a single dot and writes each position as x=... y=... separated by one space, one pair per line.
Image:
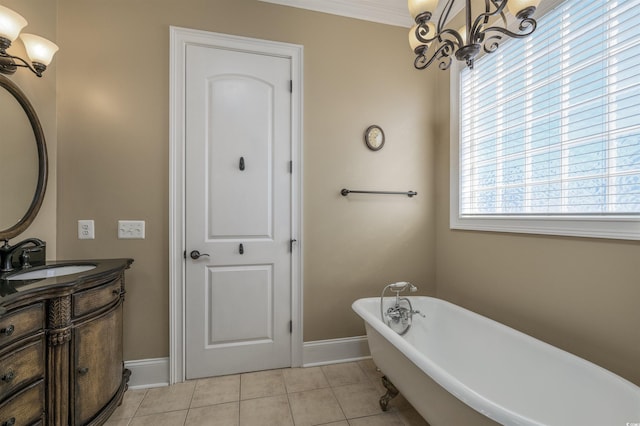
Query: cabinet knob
x=10 y=422
x=8 y=377
x=7 y=331
x=82 y=371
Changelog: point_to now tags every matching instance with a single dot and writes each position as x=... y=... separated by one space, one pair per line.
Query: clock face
x=374 y=137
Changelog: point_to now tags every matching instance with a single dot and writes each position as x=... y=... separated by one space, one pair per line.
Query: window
x=549 y=127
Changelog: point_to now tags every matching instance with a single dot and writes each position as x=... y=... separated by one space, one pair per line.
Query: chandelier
x=39 y=50
x=482 y=32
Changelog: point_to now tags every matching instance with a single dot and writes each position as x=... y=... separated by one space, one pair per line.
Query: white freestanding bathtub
x=459 y=368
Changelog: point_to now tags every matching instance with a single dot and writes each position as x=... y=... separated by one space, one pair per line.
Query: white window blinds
x=550 y=124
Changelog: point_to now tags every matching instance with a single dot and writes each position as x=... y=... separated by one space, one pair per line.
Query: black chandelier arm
x=422 y=32
x=492 y=43
x=446 y=35
x=8 y=62
x=442 y=54
x=444 y=16
x=527 y=24
x=455 y=37
x=500 y=5
x=483 y=19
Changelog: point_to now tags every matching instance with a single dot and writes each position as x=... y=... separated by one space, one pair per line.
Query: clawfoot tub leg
x=392 y=392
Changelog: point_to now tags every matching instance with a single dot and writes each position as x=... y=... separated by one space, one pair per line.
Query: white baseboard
x=323 y=352
x=154 y=372
x=148 y=373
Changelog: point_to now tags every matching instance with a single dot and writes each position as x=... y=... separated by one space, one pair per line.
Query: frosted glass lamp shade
x=516 y=6
x=11 y=23
x=413 y=40
x=416 y=7
x=39 y=49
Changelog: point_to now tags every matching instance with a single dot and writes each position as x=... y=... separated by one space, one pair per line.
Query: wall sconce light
x=39 y=50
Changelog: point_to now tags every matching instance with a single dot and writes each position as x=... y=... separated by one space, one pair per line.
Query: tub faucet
x=7 y=251
x=399 y=315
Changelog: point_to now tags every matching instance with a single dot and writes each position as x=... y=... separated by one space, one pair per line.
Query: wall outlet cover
x=131 y=229
x=86 y=230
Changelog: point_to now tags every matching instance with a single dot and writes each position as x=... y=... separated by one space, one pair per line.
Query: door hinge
x=290 y=166
x=291 y=243
x=290 y=326
x=291 y=86
x=184 y=254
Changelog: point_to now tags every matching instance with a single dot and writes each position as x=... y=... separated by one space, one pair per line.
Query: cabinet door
x=97 y=369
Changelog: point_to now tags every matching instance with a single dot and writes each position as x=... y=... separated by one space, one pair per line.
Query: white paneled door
x=238 y=211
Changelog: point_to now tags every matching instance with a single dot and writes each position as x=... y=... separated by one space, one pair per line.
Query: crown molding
x=390 y=12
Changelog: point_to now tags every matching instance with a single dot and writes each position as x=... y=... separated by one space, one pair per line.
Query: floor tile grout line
x=339 y=404
x=334 y=395
x=286 y=392
x=239 y=396
x=293 y=419
x=193 y=393
x=146 y=392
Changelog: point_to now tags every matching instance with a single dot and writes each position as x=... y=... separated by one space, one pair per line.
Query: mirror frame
x=38 y=197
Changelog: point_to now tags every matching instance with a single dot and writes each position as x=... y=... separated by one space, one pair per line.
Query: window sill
x=620 y=228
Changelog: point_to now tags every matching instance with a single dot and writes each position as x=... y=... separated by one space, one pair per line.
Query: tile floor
x=333 y=395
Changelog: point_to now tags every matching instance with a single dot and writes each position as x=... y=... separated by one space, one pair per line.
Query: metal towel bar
x=346 y=192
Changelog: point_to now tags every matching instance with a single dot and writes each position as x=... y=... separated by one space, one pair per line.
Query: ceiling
x=391 y=12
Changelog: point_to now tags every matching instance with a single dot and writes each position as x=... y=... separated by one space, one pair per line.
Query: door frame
x=180 y=38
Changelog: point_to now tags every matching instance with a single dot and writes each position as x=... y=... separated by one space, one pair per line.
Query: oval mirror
x=23 y=173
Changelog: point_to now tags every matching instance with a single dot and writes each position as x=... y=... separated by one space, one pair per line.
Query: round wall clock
x=374 y=137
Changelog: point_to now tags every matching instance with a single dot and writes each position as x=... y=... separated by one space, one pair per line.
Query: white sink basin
x=49 y=272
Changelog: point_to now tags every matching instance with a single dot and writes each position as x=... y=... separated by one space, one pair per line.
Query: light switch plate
x=86 y=230
x=131 y=229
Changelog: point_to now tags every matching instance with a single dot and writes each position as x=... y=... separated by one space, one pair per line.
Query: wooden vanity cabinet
x=61 y=358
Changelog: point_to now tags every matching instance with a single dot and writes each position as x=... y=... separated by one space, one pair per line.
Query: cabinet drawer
x=95 y=298
x=21 y=367
x=25 y=408
x=21 y=323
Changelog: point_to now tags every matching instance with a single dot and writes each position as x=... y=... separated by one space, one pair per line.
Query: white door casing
x=248 y=298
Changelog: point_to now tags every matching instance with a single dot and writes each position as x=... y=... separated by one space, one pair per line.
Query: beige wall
x=41 y=18
x=113 y=89
x=579 y=294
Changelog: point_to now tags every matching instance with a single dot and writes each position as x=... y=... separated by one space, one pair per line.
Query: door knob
x=195 y=254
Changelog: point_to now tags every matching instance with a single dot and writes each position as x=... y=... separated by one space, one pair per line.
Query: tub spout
x=399 y=315
x=416 y=312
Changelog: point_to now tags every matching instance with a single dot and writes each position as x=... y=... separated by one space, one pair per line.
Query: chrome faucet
x=399 y=317
x=7 y=251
